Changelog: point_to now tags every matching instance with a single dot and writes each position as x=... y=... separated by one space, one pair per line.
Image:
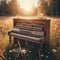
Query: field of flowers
x=6 y=24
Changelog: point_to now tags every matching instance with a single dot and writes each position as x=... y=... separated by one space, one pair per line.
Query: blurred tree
x=52 y=7
x=58 y=6
x=1 y=7
x=9 y=8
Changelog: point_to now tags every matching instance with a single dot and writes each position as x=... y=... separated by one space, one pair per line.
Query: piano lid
x=31 y=18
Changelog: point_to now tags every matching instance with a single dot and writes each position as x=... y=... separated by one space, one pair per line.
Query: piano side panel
x=48 y=32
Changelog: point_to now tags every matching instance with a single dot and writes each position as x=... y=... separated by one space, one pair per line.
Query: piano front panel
x=43 y=24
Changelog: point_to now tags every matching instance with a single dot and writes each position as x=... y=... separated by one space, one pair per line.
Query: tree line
x=51 y=8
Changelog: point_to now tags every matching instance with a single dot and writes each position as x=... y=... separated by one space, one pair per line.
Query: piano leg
x=11 y=40
x=39 y=54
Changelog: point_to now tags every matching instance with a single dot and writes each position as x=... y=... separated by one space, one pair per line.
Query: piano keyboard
x=28 y=32
x=26 y=37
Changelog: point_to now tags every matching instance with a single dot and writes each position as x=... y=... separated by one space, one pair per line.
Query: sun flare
x=27 y=5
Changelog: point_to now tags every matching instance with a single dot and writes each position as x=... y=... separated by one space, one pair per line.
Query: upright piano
x=31 y=31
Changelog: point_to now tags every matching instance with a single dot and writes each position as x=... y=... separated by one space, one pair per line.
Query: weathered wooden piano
x=30 y=34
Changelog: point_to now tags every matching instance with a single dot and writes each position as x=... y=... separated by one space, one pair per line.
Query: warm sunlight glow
x=28 y=5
